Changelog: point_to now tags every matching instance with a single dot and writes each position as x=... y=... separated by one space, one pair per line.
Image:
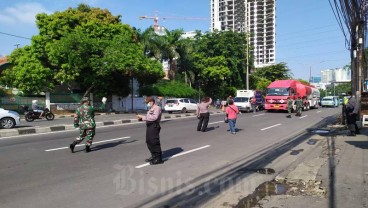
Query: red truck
x=279 y=90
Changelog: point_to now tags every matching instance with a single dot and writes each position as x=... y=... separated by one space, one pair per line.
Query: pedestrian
x=299 y=106
x=228 y=98
x=218 y=104
x=159 y=102
x=253 y=104
x=84 y=118
x=203 y=114
x=289 y=107
x=352 y=110
x=153 y=129
x=232 y=114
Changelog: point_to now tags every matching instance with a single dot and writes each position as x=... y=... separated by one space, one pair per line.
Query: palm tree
x=169 y=49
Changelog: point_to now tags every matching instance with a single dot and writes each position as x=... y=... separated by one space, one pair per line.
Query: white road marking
x=258 y=115
x=303 y=116
x=217 y=122
x=177 y=155
x=270 y=127
x=318 y=111
x=103 y=141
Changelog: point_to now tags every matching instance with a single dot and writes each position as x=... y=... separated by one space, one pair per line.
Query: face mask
x=149 y=105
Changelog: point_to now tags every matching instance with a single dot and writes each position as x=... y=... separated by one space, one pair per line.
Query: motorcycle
x=31 y=115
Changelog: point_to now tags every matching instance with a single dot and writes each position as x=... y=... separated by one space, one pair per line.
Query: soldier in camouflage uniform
x=289 y=107
x=299 y=106
x=84 y=118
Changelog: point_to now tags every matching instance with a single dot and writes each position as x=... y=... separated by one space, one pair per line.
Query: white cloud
x=22 y=13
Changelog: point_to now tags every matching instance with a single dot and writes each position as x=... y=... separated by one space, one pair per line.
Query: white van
x=242 y=100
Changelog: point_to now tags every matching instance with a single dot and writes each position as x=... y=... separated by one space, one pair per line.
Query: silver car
x=8 y=119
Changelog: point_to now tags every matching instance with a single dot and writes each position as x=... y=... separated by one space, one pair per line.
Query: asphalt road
x=39 y=170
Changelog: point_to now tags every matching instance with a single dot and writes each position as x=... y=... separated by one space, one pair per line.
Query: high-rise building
x=256 y=17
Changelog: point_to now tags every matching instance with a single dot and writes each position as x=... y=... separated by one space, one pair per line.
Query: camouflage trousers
x=86 y=134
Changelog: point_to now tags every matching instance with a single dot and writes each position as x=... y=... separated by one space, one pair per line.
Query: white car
x=180 y=104
x=329 y=101
x=8 y=119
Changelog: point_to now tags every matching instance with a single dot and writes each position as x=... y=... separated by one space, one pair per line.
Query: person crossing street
x=203 y=114
x=84 y=118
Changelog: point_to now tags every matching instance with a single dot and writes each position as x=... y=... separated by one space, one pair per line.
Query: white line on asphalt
x=216 y=122
x=177 y=155
x=270 y=127
x=103 y=141
x=303 y=116
x=258 y=115
x=318 y=111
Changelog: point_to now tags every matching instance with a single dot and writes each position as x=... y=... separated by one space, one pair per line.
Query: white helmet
x=34 y=101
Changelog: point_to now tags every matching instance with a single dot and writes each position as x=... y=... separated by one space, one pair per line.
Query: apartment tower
x=256 y=17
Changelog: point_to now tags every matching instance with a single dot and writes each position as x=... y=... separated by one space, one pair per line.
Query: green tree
x=274 y=72
x=169 y=89
x=84 y=45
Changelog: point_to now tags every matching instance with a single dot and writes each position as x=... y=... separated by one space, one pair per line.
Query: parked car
x=8 y=119
x=182 y=105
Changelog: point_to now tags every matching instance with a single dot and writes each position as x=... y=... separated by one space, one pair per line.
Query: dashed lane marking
x=177 y=155
x=258 y=115
x=103 y=141
x=270 y=127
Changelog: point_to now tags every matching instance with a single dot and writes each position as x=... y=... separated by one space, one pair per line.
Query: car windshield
x=241 y=99
x=327 y=99
x=278 y=91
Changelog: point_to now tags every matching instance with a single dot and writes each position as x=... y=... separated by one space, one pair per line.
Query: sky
x=308 y=38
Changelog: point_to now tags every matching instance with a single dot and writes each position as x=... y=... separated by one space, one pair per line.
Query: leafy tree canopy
x=85 y=45
x=169 y=89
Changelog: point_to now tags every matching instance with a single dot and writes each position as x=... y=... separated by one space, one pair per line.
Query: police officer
x=153 y=119
x=352 y=110
x=84 y=118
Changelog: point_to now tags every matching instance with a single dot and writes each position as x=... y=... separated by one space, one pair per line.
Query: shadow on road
x=108 y=145
x=171 y=152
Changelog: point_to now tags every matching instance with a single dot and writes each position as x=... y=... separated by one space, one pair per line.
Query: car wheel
x=7 y=123
x=169 y=112
x=184 y=110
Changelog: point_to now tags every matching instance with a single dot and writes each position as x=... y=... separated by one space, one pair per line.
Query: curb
x=37 y=130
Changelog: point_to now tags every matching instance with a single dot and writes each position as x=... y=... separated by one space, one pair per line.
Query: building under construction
x=256 y=17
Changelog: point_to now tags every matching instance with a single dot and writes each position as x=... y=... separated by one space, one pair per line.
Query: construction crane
x=156 y=18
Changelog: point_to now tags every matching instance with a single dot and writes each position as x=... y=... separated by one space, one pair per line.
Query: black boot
x=156 y=161
x=72 y=146
x=149 y=159
x=88 y=148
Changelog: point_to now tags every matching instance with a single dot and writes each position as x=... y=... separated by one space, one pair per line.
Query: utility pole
x=360 y=47
x=246 y=35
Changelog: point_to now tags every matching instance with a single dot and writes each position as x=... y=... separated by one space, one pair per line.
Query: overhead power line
x=17 y=36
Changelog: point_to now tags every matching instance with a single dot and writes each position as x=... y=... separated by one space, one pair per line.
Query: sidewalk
x=334 y=178
x=124 y=119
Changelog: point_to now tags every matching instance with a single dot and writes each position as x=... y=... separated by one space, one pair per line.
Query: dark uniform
x=153 y=119
x=84 y=118
x=203 y=114
x=352 y=110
